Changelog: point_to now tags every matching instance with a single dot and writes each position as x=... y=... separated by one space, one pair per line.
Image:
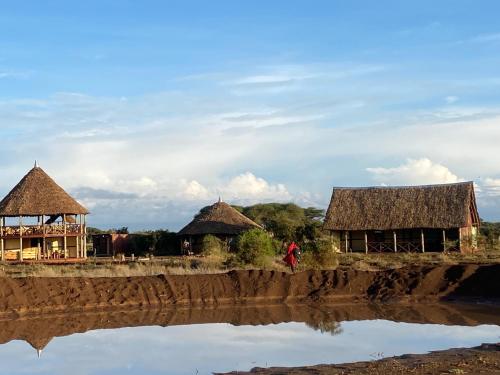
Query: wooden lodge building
x=404 y=219
x=220 y=220
x=40 y=221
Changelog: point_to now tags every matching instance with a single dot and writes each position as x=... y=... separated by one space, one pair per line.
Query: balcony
x=33 y=231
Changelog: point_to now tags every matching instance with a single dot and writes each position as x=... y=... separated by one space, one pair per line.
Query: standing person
x=292 y=256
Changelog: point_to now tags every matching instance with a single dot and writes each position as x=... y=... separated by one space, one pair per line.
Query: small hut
x=220 y=220
x=404 y=219
x=111 y=244
x=40 y=221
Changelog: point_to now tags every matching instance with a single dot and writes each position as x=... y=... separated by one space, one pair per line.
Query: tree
x=254 y=247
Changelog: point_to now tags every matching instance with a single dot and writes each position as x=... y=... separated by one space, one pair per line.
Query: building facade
x=404 y=219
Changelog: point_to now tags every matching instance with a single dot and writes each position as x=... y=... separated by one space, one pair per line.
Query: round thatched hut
x=39 y=220
x=220 y=220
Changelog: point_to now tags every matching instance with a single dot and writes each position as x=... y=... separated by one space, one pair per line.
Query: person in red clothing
x=292 y=256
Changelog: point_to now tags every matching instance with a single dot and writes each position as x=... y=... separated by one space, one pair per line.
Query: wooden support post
x=84 y=237
x=2 y=245
x=460 y=239
x=444 y=239
x=366 y=243
x=21 y=238
x=346 y=241
x=65 y=247
x=78 y=246
x=395 y=242
x=44 y=242
x=423 y=240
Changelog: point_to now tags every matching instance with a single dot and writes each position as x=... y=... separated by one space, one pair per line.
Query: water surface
x=202 y=341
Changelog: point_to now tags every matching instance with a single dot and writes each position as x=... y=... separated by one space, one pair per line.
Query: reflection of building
x=220 y=220
x=111 y=244
x=404 y=219
x=39 y=344
x=39 y=220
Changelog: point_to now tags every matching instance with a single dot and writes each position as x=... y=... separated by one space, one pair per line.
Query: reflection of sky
x=223 y=347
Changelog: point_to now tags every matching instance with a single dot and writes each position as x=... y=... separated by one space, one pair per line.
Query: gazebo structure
x=404 y=219
x=220 y=220
x=40 y=221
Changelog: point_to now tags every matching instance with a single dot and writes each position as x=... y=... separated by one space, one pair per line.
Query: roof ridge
x=402 y=186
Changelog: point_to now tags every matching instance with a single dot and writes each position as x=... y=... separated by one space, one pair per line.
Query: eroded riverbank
x=21 y=296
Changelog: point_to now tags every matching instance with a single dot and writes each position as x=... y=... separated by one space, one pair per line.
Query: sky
x=147 y=111
x=207 y=348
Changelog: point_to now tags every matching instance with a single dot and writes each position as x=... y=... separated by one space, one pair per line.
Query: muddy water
x=202 y=341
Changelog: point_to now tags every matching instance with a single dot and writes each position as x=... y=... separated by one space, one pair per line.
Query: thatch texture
x=37 y=194
x=383 y=208
x=220 y=218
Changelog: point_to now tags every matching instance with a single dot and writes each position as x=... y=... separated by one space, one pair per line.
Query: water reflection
x=238 y=338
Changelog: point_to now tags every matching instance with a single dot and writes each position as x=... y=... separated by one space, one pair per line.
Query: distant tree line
x=282 y=223
x=490 y=235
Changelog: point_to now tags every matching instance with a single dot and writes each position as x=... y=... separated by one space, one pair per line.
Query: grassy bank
x=205 y=265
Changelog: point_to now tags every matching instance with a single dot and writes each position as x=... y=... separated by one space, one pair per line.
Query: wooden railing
x=401 y=247
x=38 y=230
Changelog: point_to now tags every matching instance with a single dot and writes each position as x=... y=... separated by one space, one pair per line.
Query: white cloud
x=491 y=186
x=14 y=74
x=486 y=38
x=195 y=191
x=451 y=99
x=270 y=79
x=414 y=172
x=248 y=187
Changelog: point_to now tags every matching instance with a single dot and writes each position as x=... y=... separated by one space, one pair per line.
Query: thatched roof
x=37 y=194
x=220 y=218
x=383 y=208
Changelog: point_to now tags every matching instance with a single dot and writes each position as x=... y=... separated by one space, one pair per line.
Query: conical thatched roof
x=39 y=343
x=220 y=218
x=37 y=194
x=382 y=208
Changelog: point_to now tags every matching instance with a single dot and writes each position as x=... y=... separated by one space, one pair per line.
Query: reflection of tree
x=324 y=326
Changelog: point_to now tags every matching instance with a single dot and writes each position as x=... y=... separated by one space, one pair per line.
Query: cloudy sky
x=146 y=111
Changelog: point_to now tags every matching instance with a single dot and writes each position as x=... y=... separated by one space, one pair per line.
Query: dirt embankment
x=484 y=359
x=48 y=295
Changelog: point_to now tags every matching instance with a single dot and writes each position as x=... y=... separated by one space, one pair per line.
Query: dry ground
x=484 y=359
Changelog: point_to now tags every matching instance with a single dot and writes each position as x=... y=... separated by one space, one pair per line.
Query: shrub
x=319 y=254
x=255 y=247
x=212 y=246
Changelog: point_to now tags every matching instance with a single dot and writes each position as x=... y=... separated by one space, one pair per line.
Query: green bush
x=255 y=247
x=212 y=246
x=319 y=254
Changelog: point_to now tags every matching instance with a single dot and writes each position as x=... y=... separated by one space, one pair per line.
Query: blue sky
x=146 y=111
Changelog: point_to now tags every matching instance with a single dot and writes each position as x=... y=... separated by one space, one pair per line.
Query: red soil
x=20 y=296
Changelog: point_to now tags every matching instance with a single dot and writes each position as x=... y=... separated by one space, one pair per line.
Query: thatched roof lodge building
x=40 y=221
x=220 y=220
x=404 y=219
